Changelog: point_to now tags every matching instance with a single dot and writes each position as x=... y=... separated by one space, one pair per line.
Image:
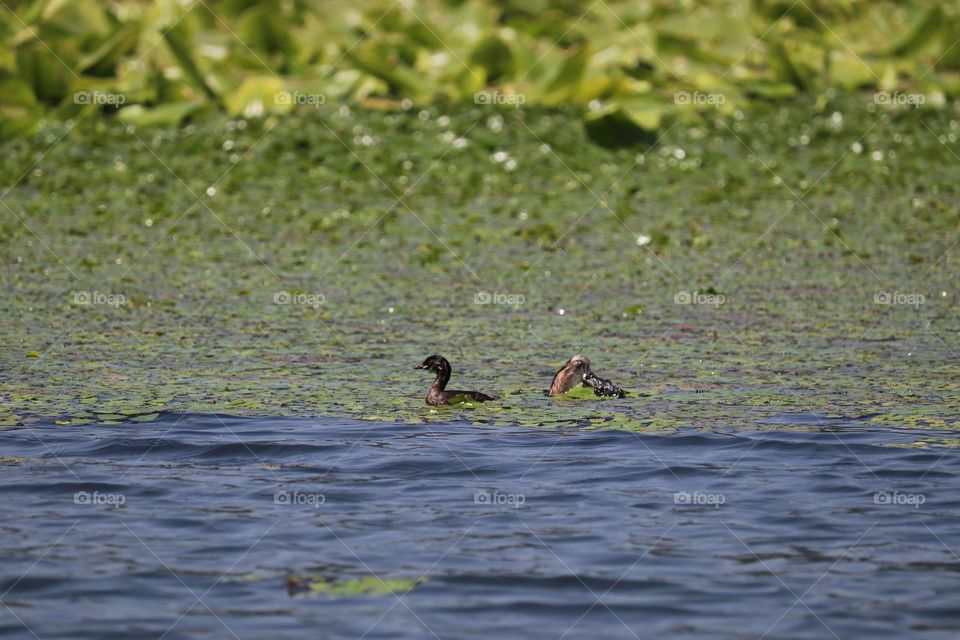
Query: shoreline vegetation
x=628 y=70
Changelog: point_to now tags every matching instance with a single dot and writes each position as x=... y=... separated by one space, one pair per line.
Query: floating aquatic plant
x=781 y=342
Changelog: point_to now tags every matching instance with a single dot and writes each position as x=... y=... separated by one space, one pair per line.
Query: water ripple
x=198 y=525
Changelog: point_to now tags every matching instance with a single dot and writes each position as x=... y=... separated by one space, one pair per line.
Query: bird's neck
x=443 y=377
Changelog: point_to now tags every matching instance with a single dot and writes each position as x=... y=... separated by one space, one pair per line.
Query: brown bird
x=439 y=394
x=576 y=371
x=570 y=375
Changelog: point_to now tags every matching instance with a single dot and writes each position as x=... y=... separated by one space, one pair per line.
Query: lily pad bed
x=797 y=259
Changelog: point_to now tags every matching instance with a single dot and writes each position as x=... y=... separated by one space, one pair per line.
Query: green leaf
x=259 y=96
x=565 y=84
x=495 y=56
x=783 y=66
x=180 y=45
x=161 y=116
x=85 y=18
x=923 y=30
x=19 y=110
x=263 y=29
x=46 y=74
x=617 y=127
x=950 y=58
x=579 y=392
x=371 y=586
x=768 y=89
x=849 y=71
x=400 y=79
x=104 y=59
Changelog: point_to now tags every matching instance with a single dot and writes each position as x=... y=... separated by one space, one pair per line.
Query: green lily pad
x=371 y=586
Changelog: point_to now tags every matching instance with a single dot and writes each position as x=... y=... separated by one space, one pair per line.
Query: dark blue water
x=189 y=527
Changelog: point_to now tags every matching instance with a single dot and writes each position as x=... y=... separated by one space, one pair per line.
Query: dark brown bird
x=439 y=394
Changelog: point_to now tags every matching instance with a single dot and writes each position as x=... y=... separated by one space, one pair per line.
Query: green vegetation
x=630 y=67
x=304 y=265
x=372 y=586
x=332 y=583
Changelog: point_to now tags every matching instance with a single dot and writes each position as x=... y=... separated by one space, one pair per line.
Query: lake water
x=191 y=525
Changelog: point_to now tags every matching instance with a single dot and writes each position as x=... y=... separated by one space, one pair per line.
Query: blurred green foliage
x=628 y=64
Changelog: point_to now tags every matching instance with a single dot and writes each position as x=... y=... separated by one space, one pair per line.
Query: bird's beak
x=420 y=366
